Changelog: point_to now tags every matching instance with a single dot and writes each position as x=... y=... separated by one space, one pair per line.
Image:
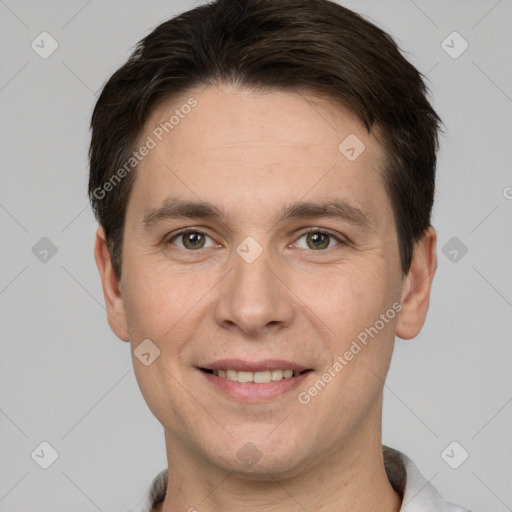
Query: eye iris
x=319 y=240
x=195 y=239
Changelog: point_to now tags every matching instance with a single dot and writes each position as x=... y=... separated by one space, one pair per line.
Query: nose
x=254 y=297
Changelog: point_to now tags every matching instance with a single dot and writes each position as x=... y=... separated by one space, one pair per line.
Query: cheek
x=347 y=299
x=163 y=305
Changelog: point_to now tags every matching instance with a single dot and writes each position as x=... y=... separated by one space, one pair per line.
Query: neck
x=350 y=477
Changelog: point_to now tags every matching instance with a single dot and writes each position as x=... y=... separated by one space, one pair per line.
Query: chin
x=262 y=460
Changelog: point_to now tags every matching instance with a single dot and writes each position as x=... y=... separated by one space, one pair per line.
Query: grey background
x=67 y=380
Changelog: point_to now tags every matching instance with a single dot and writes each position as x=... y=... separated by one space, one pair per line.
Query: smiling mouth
x=263 y=377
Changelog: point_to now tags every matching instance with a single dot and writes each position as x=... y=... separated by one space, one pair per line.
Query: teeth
x=277 y=374
x=231 y=374
x=245 y=376
x=258 y=377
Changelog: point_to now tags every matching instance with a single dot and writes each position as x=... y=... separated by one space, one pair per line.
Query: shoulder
x=154 y=496
x=418 y=494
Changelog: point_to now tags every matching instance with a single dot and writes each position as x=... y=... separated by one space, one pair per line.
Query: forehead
x=225 y=115
x=245 y=147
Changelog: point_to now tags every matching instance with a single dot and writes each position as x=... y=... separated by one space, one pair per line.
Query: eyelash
x=310 y=230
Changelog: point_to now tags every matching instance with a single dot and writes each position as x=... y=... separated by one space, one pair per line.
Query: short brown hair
x=313 y=45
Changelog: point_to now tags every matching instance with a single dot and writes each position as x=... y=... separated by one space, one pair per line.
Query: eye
x=190 y=240
x=318 y=240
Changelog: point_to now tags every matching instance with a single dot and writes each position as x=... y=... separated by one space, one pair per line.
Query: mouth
x=254 y=382
x=261 y=377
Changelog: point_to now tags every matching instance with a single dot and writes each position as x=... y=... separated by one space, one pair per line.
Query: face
x=274 y=299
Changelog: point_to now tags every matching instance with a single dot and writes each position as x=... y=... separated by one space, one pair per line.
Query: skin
x=251 y=153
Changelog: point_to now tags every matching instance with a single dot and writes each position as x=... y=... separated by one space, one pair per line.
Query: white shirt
x=417 y=494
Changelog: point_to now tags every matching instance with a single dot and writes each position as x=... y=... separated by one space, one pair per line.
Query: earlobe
x=114 y=302
x=417 y=287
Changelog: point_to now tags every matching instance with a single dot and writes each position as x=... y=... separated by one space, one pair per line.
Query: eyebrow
x=175 y=208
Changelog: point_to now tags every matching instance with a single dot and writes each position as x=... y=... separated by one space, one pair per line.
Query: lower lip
x=253 y=392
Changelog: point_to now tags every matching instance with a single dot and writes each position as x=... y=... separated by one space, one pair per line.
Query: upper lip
x=254 y=366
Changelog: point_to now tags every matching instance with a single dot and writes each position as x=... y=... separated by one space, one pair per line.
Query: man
x=263 y=175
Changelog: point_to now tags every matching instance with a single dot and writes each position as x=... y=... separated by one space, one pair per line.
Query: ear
x=111 y=291
x=417 y=286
